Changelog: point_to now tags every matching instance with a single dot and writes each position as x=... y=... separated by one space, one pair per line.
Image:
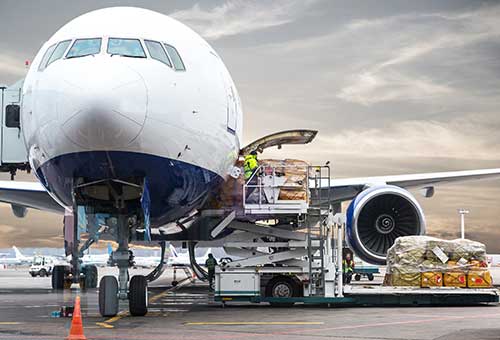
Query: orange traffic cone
x=76 y=330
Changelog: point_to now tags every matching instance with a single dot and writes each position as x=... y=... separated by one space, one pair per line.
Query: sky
x=392 y=87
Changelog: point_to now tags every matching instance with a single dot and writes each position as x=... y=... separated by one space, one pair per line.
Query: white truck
x=42 y=266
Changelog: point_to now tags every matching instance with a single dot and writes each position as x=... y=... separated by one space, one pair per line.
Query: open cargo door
x=278 y=139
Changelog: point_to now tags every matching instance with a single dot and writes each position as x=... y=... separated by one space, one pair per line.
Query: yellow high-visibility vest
x=250 y=165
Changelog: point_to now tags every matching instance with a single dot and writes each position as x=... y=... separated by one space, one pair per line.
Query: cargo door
x=280 y=138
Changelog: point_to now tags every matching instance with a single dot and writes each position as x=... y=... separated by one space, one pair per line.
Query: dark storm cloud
x=393 y=87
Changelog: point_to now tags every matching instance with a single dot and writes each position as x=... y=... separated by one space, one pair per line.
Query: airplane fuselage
x=110 y=108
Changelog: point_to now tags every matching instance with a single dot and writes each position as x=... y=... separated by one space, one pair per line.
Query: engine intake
x=379 y=215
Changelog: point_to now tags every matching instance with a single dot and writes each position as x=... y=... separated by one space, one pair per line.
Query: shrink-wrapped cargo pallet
x=294 y=188
x=431 y=262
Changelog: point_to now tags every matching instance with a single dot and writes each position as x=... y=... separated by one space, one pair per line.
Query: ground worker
x=250 y=165
x=348 y=268
x=211 y=263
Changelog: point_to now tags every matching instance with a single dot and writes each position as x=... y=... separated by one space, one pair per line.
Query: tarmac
x=188 y=312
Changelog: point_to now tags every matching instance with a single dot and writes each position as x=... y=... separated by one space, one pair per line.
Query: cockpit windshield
x=84 y=47
x=126 y=48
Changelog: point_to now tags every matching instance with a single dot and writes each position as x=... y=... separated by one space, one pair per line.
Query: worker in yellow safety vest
x=250 y=165
x=348 y=268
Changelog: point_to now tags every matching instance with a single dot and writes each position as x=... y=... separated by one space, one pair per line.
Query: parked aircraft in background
x=182 y=259
x=18 y=259
x=100 y=260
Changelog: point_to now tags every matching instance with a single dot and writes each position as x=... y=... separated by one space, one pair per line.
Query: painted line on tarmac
x=107 y=323
x=165 y=293
x=243 y=323
x=104 y=325
x=7 y=323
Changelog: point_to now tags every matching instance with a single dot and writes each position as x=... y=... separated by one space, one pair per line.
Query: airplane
x=18 y=259
x=182 y=259
x=147 y=261
x=131 y=118
x=97 y=259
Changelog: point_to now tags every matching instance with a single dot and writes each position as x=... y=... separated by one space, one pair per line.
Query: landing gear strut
x=112 y=290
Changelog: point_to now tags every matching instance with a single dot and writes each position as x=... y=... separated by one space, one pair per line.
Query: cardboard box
x=431 y=279
x=479 y=279
x=455 y=279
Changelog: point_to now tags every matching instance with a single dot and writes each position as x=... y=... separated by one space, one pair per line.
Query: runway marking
x=6 y=323
x=121 y=315
x=165 y=293
x=104 y=325
x=242 y=323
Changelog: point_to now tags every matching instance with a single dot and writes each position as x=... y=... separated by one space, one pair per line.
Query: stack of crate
x=430 y=262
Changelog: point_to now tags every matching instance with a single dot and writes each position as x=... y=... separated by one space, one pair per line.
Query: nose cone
x=103 y=104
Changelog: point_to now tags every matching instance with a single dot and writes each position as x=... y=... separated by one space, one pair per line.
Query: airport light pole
x=462 y=213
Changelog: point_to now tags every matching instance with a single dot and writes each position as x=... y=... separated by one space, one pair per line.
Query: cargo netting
x=425 y=261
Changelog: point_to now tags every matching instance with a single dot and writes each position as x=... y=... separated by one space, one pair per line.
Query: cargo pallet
x=380 y=297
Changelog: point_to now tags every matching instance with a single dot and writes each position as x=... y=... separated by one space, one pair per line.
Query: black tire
x=138 y=295
x=175 y=283
x=108 y=296
x=58 y=277
x=42 y=273
x=33 y=274
x=370 y=277
x=357 y=277
x=282 y=287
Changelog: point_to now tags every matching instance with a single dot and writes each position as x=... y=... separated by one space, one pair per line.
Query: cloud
x=423 y=35
x=11 y=66
x=470 y=138
x=374 y=87
x=237 y=17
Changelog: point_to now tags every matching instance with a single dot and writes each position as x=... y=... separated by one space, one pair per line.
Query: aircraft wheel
x=108 y=296
x=357 y=277
x=138 y=295
x=58 y=277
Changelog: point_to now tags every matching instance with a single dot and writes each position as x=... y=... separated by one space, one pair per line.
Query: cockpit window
x=126 y=48
x=59 y=51
x=46 y=57
x=157 y=52
x=84 y=47
x=175 y=57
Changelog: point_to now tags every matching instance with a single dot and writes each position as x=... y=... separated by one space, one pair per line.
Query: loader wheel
x=282 y=287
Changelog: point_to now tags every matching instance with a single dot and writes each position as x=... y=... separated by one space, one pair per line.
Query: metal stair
x=317 y=214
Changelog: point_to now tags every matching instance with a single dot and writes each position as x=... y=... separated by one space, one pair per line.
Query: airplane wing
x=347 y=188
x=28 y=195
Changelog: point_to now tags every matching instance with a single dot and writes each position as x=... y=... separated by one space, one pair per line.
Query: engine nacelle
x=19 y=211
x=379 y=215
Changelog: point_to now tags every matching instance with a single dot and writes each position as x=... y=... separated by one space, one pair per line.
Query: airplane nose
x=103 y=104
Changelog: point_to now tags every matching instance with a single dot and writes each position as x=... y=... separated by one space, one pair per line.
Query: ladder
x=319 y=182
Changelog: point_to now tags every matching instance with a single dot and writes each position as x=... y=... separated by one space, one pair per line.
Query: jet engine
x=379 y=215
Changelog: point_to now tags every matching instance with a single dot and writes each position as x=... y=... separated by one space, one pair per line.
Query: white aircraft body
x=131 y=117
x=18 y=259
x=182 y=259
